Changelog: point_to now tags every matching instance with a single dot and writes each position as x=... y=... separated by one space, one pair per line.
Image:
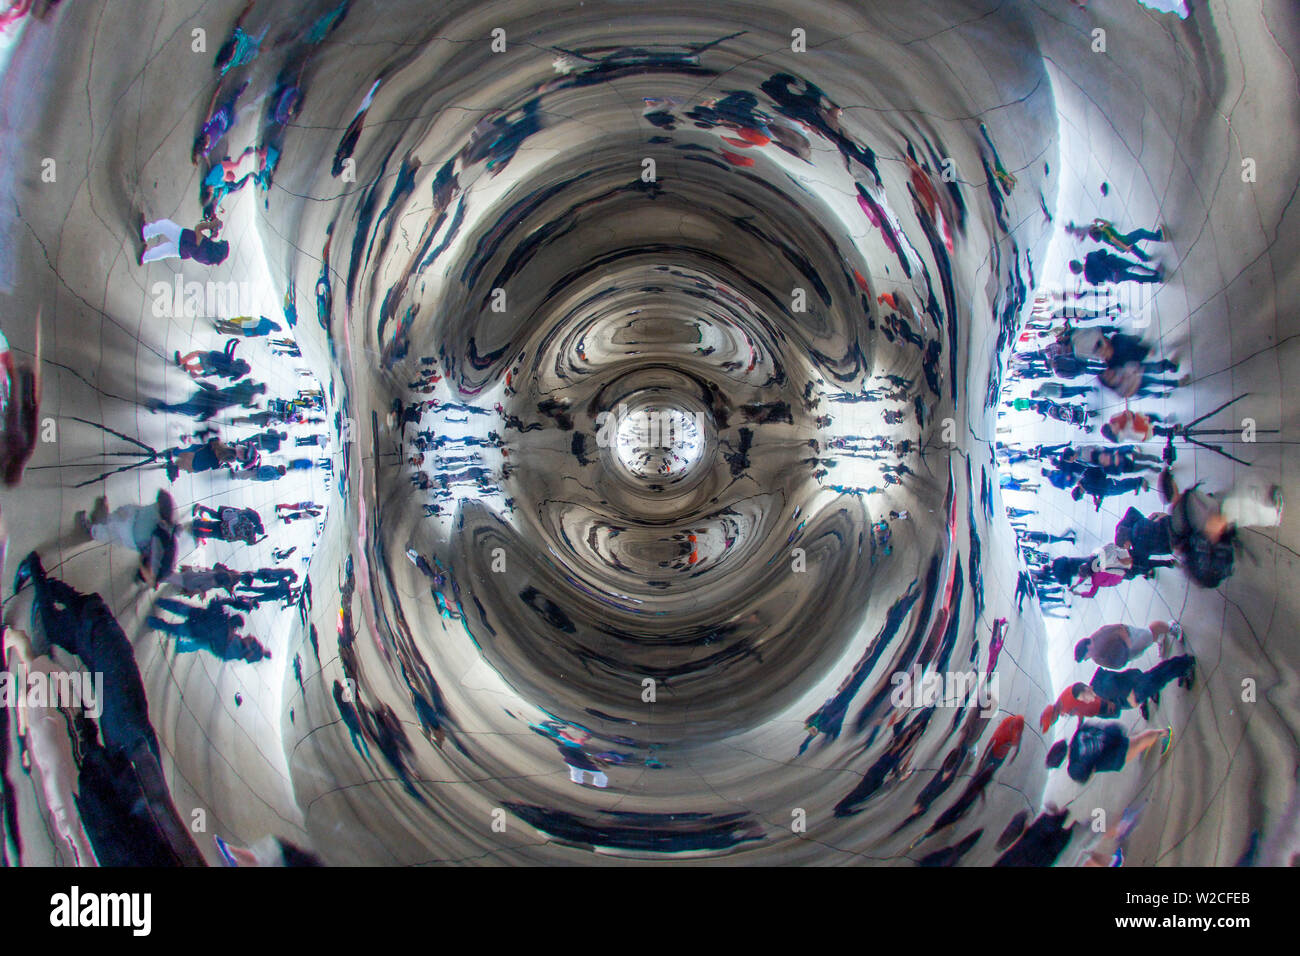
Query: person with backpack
x=164 y=239
x=1063 y=570
x=227 y=523
x=1095 y=482
x=1128 y=426
x=1100 y=266
x=1203 y=530
x=1105 y=231
x=1144 y=535
x=1104 y=748
x=220 y=364
x=193 y=459
x=267 y=441
x=1056 y=411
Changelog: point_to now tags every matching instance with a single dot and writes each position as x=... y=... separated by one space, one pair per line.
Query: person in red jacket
x=1006 y=739
x=1077 y=700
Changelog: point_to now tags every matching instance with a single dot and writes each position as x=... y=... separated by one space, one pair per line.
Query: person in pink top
x=1098 y=579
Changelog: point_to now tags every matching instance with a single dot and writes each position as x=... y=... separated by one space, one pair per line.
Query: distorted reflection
x=721 y=432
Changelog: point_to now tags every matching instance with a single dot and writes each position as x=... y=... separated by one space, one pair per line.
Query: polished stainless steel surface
x=662 y=349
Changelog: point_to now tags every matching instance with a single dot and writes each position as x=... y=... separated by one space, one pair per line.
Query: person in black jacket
x=1041 y=843
x=1100 y=486
x=1144 y=535
x=1100 y=267
x=210 y=628
x=200 y=363
x=209 y=401
x=83 y=625
x=113 y=809
x=1103 y=748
